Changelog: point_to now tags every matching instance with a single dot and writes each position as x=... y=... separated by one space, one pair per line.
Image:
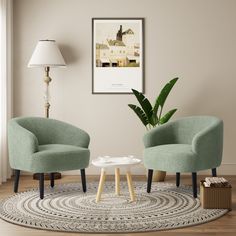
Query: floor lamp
x=47 y=55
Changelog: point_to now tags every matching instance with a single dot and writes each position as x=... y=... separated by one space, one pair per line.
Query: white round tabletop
x=104 y=162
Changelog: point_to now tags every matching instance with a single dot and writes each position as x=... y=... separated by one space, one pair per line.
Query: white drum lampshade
x=46 y=54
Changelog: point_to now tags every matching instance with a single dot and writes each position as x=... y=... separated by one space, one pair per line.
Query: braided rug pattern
x=66 y=208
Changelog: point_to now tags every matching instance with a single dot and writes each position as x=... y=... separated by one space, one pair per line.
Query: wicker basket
x=215 y=197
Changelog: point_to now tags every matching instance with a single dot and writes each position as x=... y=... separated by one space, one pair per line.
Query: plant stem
x=160 y=116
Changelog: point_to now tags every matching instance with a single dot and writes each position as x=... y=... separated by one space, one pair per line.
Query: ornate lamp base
x=47 y=176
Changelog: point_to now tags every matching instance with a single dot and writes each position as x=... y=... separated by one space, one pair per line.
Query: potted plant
x=152 y=116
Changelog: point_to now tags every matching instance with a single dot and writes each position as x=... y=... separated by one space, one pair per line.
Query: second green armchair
x=189 y=144
x=42 y=145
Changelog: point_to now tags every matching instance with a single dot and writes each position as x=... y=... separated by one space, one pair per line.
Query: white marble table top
x=116 y=162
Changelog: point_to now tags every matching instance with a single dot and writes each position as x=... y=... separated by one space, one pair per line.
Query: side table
x=116 y=163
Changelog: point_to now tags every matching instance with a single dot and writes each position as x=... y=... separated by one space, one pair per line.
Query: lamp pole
x=47 y=80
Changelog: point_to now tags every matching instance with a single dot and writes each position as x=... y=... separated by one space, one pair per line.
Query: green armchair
x=189 y=144
x=42 y=145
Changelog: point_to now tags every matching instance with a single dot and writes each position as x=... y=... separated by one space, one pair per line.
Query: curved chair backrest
x=50 y=131
x=186 y=128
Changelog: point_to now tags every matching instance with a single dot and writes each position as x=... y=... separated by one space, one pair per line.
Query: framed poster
x=117 y=55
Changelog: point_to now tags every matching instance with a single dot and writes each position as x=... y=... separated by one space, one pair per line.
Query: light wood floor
x=226 y=225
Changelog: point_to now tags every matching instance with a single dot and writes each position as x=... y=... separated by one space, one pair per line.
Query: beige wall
x=195 y=40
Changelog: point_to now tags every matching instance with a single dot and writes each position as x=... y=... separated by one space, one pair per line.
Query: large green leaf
x=145 y=104
x=167 y=116
x=140 y=113
x=160 y=101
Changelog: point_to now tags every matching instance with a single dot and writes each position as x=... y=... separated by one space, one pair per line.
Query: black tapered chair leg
x=52 y=180
x=177 y=179
x=214 y=174
x=16 y=181
x=194 y=183
x=83 y=179
x=41 y=185
x=149 y=181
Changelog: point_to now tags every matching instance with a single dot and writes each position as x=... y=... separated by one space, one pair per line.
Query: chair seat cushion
x=170 y=157
x=59 y=157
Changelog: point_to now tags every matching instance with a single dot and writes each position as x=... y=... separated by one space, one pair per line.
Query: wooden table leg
x=131 y=187
x=117 y=180
x=101 y=184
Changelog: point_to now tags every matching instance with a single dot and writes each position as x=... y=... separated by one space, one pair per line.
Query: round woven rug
x=66 y=208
